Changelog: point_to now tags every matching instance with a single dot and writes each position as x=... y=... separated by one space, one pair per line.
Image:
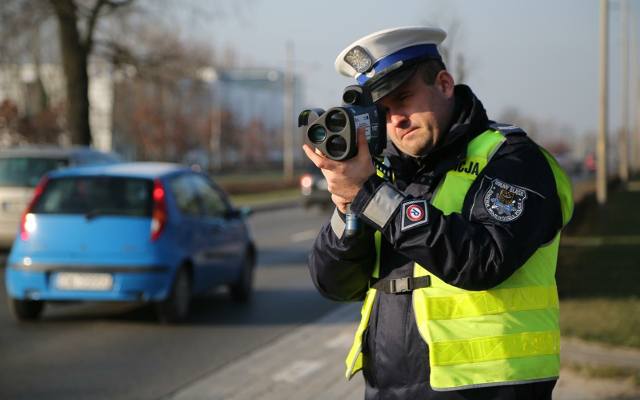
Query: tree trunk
x=75 y=54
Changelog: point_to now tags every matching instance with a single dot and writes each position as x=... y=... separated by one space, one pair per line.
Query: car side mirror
x=246 y=211
x=242 y=212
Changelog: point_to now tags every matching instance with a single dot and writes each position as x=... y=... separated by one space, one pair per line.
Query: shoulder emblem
x=414 y=213
x=504 y=202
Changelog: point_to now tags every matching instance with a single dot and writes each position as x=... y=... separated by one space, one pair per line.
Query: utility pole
x=601 y=154
x=635 y=136
x=215 y=119
x=287 y=123
x=623 y=138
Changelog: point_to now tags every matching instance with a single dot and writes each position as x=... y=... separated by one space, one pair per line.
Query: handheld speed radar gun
x=335 y=131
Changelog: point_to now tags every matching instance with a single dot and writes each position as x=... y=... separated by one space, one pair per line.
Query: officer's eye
x=404 y=96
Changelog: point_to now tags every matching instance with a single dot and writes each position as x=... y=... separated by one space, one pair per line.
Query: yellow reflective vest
x=506 y=335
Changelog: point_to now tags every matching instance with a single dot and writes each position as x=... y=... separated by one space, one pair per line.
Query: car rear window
x=27 y=171
x=93 y=196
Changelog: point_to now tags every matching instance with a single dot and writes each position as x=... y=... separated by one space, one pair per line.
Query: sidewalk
x=307 y=364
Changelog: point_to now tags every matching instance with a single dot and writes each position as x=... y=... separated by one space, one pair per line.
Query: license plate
x=83 y=281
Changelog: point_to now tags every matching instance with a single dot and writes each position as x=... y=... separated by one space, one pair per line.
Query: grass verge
x=614 y=321
x=598 y=283
x=255 y=199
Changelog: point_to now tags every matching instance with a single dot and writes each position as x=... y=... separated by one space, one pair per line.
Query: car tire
x=26 y=310
x=241 y=289
x=175 y=308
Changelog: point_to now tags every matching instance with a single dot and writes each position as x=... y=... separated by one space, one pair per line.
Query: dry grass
x=599 y=286
x=614 y=321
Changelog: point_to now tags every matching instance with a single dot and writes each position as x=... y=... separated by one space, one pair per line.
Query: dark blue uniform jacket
x=472 y=250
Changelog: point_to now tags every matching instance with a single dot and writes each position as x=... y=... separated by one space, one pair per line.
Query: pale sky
x=540 y=56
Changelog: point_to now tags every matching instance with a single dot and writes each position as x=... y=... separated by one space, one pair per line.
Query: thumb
x=362 y=140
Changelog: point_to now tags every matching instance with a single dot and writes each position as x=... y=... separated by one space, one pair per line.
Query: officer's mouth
x=407 y=133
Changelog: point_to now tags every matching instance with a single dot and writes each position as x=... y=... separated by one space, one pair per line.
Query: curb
x=578 y=351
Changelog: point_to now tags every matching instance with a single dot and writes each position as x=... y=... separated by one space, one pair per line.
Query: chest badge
x=504 y=202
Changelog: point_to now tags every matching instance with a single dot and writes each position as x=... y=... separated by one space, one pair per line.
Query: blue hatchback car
x=149 y=232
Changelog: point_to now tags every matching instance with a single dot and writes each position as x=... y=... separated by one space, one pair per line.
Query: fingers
x=340 y=202
x=319 y=160
x=310 y=153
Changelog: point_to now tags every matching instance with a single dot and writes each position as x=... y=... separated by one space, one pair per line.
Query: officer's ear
x=445 y=83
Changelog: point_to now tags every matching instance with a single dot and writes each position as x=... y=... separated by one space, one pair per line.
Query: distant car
x=314 y=190
x=21 y=169
x=133 y=232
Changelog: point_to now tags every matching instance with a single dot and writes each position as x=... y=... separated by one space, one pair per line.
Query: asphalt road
x=108 y=351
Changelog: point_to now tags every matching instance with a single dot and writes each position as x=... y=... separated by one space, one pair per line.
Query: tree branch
x=91 y=24
x=95 y=13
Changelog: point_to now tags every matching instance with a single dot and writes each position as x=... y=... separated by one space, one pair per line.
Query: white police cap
x=383 y=59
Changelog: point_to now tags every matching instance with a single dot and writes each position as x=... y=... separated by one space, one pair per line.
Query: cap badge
x=359 y=59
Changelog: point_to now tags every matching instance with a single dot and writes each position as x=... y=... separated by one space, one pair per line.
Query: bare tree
x=25 y=22
x=162 y=108
x=77 y=23
x=89 y=29
x=33 y=116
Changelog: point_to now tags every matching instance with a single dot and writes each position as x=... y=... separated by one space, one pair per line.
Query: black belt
x=401 y=285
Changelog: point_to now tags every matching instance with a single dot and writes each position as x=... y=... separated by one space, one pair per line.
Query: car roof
x=149 y=170
x=47 y=151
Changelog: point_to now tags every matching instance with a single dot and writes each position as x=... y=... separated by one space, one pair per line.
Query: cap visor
x=384 y=85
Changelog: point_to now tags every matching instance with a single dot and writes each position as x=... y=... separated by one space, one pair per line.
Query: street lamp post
x=623 y=140
x=287 y=127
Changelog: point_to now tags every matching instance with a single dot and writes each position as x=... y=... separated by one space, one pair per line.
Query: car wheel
x=175 y=308
x=241 y=289
x=26 y=310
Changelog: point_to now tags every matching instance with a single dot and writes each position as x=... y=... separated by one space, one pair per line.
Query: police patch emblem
x=504 y=202
x=414 y=213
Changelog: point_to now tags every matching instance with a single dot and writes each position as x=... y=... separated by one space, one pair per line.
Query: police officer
x=456 y=258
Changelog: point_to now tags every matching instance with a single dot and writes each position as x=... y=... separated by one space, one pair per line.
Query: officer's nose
x=398 y=120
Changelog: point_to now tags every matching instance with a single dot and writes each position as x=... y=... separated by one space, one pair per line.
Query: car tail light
x=159 y=213
x=306 y=181
x=28 y=220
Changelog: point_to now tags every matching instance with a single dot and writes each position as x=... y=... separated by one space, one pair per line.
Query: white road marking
x=297 y=371
x=304 y=235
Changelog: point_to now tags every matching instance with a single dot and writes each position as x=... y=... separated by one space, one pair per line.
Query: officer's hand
x=340 y=203
x=345 y=178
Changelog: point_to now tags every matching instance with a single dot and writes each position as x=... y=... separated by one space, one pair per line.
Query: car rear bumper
x=130 y=283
